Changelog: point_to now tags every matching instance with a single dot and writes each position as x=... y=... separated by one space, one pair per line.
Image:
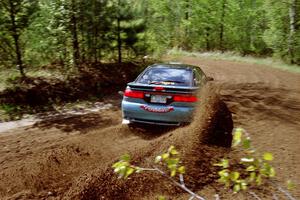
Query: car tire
x=131 y=125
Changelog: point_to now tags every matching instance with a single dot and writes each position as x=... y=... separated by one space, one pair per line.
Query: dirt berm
x=200 y=144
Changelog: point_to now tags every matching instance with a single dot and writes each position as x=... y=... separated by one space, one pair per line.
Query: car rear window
x=166 y=76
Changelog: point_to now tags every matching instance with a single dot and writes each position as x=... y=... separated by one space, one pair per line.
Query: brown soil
x=72 y=158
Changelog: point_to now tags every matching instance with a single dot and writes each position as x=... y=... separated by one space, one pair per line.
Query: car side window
x=197 y=78
x=202 y=75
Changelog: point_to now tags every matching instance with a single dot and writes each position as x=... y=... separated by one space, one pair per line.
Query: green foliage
x=171 y=160
x=290 y=185
x=249 y=27
x=15 y=17
x=224 y=163
x=123 y=167
x=76 y=31
x=162 y=198
x=8 y=108
x=282 y=34
x=237 y=137
x=127 y=25
x=254 y=168
x=10 y=112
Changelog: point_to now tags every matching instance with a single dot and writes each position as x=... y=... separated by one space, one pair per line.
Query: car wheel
x=131 y=125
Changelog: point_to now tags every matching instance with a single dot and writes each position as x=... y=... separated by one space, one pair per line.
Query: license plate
x=158 y=99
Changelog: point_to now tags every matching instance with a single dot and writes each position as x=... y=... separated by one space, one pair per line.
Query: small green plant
x=123 y=167
x=10 y=112
x=169 y=161
x=254 y=169
x=290 y=185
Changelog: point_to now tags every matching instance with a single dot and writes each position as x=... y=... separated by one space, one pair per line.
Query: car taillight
x=184 y=98
x=133 y=94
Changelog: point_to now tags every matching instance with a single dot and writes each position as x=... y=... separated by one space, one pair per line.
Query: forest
x=69 y=33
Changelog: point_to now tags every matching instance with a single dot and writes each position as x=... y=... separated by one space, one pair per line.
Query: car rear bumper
x=156 y=114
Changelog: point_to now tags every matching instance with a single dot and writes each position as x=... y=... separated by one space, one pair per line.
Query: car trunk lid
x=162 y=94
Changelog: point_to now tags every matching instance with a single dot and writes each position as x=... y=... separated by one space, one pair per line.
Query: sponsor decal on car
x=157 y=110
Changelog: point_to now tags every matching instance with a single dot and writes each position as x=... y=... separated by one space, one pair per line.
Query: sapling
x=253 y=170
x=169 y=160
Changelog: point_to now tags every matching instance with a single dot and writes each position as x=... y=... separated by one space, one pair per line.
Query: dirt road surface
x=62 y=158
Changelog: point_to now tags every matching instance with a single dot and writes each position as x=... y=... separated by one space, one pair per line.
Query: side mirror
x=209 y=78
x=121 y=93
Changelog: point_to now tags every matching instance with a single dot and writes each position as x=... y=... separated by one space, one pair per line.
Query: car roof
x=173 y=65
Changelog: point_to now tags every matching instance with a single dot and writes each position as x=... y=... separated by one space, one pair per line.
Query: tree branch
x=254 y=195
x=286 y=193
x=181 y=184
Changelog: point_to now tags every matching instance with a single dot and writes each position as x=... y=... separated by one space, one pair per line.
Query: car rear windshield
x=166 y=76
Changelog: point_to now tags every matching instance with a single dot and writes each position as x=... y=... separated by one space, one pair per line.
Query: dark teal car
x=163 y=94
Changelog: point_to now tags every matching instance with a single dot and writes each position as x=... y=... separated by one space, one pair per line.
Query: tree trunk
x=16 y=37
x=119 y=33
x=291 y=42
x=83 y=52
x=221 y=37
x=19 y=55
x=95 y=45
x=75 y=43
x=145 y=4
x=187 y=9
x=187 y=44
x=207 y=44
x=95 y=31
x=119 y=41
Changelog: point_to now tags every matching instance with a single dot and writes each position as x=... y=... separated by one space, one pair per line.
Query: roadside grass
x=232 y=56
x=10 y=112
x=4 y=75
x=10 y=74
x=56 y=88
